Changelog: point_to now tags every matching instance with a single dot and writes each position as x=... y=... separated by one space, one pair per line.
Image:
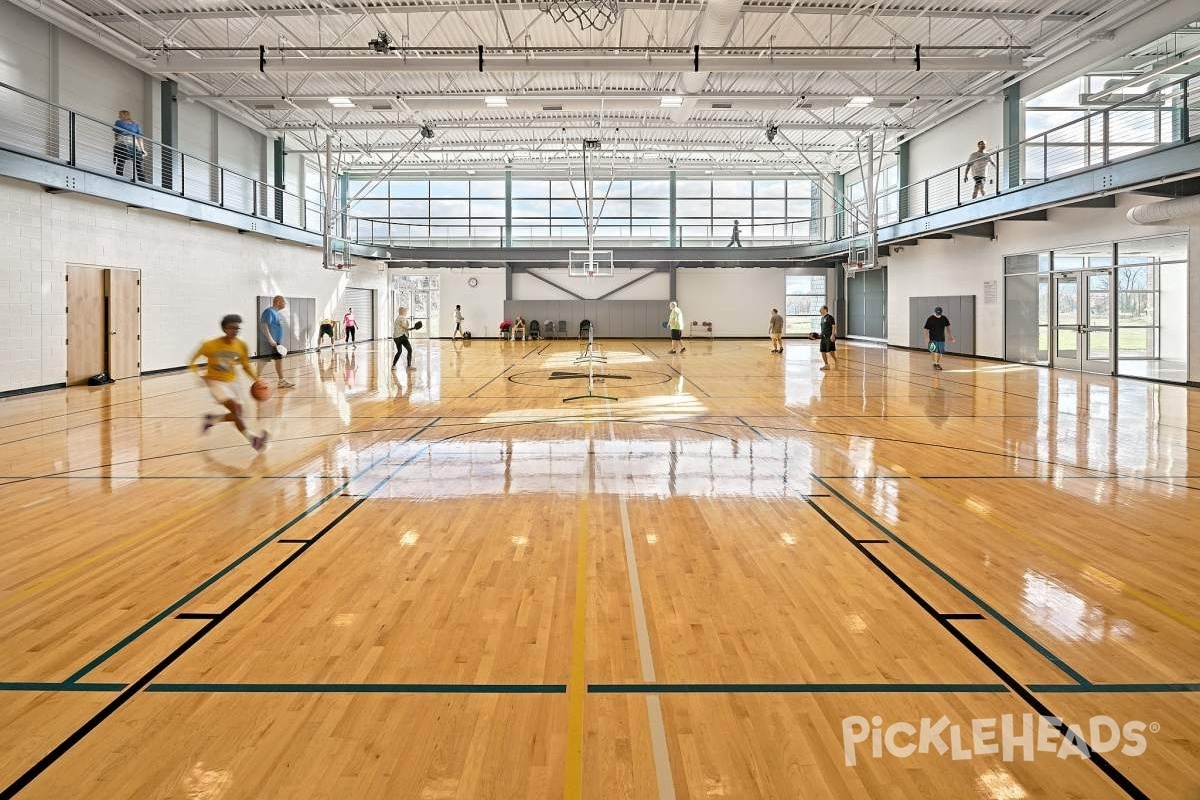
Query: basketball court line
x=1076 y=739
x=963 y=590
x=312 y=509
x=658 y=736
x=134 y=688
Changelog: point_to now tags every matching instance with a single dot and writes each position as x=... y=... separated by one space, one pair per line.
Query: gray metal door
x=363 y=303
x=866 y=304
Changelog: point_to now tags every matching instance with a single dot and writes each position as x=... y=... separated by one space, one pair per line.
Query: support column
x=169 y=126
x=278 y=179
x=839 y=206
x=1008 y=171
x=674 y=238
x=54 y=139
x=343 y=201
x=672 y=281
x=902 y=168
x=508 y=216
x=214 y=157
x=148 y=114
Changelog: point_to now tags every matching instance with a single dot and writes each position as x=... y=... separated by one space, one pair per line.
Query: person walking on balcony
x=977 y=167
x=128 y=146
x=736 y=237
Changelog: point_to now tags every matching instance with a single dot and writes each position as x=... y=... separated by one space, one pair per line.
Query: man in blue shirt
x=128 y=145
x=271 y=325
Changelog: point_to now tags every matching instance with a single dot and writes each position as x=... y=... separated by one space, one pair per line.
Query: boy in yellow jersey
x=223 y=354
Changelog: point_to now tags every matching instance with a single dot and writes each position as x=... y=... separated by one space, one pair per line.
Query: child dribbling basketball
x=222 y=355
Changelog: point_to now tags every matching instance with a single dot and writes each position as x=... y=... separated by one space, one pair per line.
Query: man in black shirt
x=828 y=334
x=937 y=333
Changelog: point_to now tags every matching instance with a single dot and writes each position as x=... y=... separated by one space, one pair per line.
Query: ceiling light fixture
x=861 y=100
x=341 y=102
x=493 y=101
x=670 y=101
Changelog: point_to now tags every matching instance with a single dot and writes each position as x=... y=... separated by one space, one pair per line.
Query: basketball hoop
x=595 y=14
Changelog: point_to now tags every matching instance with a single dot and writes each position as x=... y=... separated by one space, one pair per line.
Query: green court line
x=171 y=609
x=55 y=686
x=799 y=688
x=1112 y=688
x=974 y=598
x=363 y=688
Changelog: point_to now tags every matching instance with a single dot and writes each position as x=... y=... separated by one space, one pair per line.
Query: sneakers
x=937 y=366
x=683 y=349
x=209 y=421
x=259 y=442
x=286 y=385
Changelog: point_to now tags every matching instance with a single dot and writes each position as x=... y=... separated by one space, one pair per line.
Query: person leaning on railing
x=127 y=145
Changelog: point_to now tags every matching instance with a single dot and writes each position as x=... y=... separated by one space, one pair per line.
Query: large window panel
x=651 y=189
x=732 y=189
x=449 y=208
x=804 y=296
x=370 y=208
x=693 y=189
x=531 y=189
x=407 y=188
x=487 y=208
x=644 y=209
x=486 y=189
x=449 y=189
x=524 y=208
x=410 y=209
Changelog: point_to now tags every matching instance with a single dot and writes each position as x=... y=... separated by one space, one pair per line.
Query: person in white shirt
x=977 y=167
x=458 y=320
x=400 y=329
x=675 y=323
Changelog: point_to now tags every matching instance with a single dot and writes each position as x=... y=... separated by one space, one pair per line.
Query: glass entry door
x=1083 y=321
x=1068 y=326
x=1098 y=327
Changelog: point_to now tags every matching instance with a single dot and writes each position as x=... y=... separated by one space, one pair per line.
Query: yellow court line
x=1066 y=556
x=576 y=688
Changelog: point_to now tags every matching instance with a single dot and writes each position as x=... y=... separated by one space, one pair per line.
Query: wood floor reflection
x=450 y=583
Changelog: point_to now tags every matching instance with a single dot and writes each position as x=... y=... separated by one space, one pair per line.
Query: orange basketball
x=260 y=391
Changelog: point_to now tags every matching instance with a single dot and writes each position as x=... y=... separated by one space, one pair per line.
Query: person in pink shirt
x=350 y=325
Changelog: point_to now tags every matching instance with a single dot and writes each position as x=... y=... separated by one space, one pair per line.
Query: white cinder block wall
x=192 y=274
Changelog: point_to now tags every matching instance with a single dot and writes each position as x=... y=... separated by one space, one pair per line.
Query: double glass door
x=1083 y=336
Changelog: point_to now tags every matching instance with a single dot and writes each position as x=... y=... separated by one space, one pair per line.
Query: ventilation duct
x=1165 y=211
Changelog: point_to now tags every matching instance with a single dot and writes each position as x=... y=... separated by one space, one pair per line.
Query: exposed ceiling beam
x=181 y=64
x=678 y=6
x=590 y=124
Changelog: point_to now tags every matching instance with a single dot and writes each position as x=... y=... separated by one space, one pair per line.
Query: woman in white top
x=400 y=329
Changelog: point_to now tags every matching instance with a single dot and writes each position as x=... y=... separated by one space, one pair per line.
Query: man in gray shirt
x=977 y=167
x=776 y=329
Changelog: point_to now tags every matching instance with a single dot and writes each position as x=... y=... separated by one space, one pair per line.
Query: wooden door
x=124 y=323
x=86 y=328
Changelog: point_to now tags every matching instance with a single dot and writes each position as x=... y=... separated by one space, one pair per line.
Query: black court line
x=312 y=509
x=963 y=616
x=137 y=686
x=1052 y=719
x=797 y=688
x=866 y=541
x=945 y=576
x=756 y=431
x=686 y=378
x=43 y=686
x=195 y=615
x=296 y=541
x=360 y=688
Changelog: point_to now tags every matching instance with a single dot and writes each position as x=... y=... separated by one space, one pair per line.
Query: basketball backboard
x=590 y=263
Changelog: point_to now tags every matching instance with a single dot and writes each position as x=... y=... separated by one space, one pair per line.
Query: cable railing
x=494 y=232
x=1166 y=116
x=36 y=127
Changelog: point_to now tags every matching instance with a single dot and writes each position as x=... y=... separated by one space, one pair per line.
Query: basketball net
x=594 y=14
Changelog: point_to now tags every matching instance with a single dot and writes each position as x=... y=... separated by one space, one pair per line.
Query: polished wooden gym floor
x=449 y=583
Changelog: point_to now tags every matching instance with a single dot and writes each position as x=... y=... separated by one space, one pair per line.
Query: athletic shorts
x=979 y=179
x=938 y=347
x=326 y=330
x=827 y=345
x=223 y=391
x=275 y=355
x=676 y=334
